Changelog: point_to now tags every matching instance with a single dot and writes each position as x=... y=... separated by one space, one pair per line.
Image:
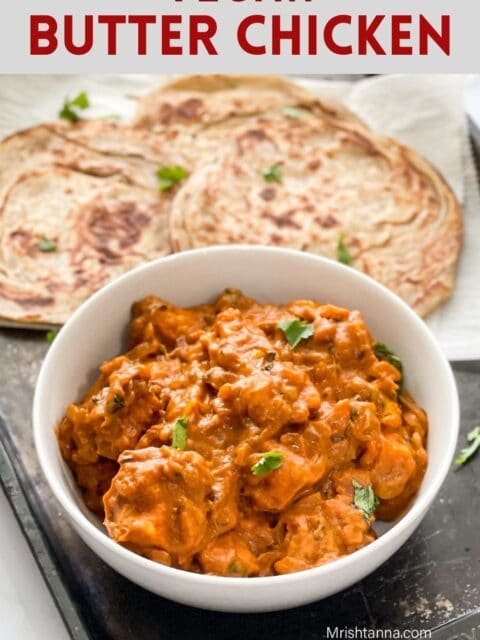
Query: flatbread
x=92 y=189
x=204 y=100
x=120 y=141
x=91 y=146
x=102 y=227
x=197 y=114
x=400 y=221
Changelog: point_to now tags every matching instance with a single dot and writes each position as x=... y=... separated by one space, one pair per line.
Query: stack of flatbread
x=265 y=162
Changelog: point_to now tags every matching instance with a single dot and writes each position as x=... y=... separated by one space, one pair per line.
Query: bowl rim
x=90 y=531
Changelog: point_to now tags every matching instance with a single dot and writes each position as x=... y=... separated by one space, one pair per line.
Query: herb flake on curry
x=295 y=446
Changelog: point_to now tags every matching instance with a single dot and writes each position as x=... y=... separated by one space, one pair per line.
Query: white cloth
x=425 y=112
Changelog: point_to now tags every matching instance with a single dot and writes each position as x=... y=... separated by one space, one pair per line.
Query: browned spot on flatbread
x=121 y=224
x=165 y=113
x=26 y=301
x=188 y=110
x=254 y=134
x=283 y=219
x=35 y=302
x=268 y=193
x=326 y=221
x=313 y=165
x=250 y=137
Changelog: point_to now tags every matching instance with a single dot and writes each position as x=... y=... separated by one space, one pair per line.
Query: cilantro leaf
x=179 y=434
x=269 y=461
x=170 y=176
x=81 y=101
x=343 y=254
x=273 y=173
x=51 y=335
x=467 y=453
x=70 y=108
x=291 y=112
x=47 y=245
x=364 y=499
x=383 y=352
x=116 y=403
x=296 y=330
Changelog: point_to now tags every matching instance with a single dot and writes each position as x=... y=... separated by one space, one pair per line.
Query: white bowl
x=96 y=331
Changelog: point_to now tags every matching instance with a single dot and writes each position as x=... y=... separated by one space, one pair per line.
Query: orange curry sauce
x=223 y=384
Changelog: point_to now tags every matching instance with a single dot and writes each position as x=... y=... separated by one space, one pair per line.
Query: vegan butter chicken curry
x=246 y=439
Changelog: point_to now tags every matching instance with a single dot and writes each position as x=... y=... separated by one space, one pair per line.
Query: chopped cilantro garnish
x=179 y=433
x=70 y=108
x=296 y=330
x=467 y=453
x=51 y=335
x=47 y=245
x=383 y=352
x=364 y=499
x=268 y=462
x=273 y=173
x=343 y=254
x=170 y=176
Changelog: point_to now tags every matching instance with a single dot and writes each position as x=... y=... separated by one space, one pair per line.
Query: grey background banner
x=15 y=37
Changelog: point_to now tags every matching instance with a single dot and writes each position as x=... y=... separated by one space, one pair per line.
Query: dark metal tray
x=433 y=579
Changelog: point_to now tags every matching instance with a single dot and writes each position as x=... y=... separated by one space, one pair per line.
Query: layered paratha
x=79 y=205
x=267 y=162
x=198 y=114
x=203 y=101
x=305 y=175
